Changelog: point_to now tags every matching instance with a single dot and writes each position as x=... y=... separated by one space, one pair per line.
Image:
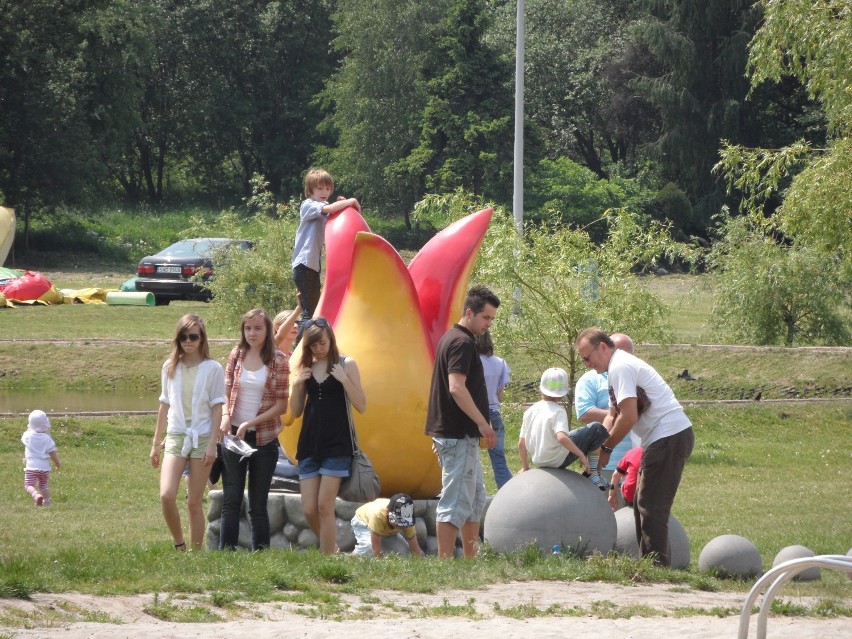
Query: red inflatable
x=30 y=286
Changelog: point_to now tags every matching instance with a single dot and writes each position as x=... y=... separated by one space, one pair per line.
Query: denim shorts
x=333 y=466
x=463 y=488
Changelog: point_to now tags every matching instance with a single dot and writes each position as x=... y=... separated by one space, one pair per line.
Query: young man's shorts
x=174 y=445
x=463 y=488
x=586 y=438
x=332 y=466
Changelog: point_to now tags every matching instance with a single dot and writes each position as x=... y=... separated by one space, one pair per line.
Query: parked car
x=170 y=274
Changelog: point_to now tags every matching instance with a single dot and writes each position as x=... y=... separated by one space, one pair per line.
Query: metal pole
x=518 y=195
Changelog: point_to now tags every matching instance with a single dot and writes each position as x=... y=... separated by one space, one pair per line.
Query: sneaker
x=599 y=481
x=39 y=500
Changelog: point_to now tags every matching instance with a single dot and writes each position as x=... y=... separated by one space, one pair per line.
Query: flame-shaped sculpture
x=390 y=318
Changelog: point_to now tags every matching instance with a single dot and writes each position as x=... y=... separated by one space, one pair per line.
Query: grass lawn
x=773 y=475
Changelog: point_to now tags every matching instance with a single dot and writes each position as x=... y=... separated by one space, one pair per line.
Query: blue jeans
x=502 y=474
x=260 y=467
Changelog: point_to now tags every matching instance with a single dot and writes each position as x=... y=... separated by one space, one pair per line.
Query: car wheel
x=161 y=301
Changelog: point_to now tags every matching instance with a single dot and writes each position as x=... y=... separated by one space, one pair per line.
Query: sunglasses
x=587 y=358
x=189 y=337
x=320 y=321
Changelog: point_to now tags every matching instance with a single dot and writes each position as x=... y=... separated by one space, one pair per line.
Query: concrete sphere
x=798 y=552
x=732 y=556
x=626 y=543
x=548 y=506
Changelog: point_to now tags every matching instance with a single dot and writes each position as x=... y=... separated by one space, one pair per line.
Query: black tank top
x=325 y=424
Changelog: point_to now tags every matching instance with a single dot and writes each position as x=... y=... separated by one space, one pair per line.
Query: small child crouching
x=39 y=449
x=382 y=518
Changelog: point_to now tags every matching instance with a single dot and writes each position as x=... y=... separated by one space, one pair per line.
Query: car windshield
x=192 y=248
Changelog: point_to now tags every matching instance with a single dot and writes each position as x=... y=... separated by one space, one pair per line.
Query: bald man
x=591 y=404
x=642 y=401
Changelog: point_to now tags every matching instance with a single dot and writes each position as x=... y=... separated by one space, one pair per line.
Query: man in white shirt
x=642 y=401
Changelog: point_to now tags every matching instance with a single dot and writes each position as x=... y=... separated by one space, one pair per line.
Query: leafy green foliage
x=576 y=99
x=812 y=41
x=376 y=96
x=771 y=293
x=696 y=81
x=575 y=195
x=466 y=135
x=259 y=278
x=671 y=203
x=801 y=253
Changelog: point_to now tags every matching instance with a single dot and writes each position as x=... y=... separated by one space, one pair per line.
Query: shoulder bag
x=363 y=484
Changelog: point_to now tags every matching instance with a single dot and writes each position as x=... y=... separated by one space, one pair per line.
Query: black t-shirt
x=456 y=353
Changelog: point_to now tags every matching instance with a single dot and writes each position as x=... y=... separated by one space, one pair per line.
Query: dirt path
x=547 y=609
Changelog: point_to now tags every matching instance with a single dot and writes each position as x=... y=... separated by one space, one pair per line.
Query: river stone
x=345 y=536
x=732 y=556
x=549 y=506
x=215 y=501
x=422 y=533
x=346 y=509
x=276 y=510
x=213 y=535
x=307 y=539
x=295 y=514
x=626 y=543
x=429 y=516
x=798 y=552
x=291 y=532
x=280 y=542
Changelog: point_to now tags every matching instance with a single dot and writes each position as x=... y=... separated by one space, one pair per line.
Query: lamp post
x=518 y=174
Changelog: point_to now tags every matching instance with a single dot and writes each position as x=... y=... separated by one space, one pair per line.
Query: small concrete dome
x=731 y=555
x=798 y=552
x=549 y=506
x=625 y=541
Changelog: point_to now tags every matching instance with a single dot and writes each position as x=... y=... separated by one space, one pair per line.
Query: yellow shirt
x=375 y=515
x=190 y=373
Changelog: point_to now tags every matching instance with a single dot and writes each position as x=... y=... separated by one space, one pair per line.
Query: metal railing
x=779 y=576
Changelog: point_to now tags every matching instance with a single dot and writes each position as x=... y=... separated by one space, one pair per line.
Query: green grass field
x=772 y=474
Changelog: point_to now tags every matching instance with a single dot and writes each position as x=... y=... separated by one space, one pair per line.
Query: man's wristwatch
x=606 y=449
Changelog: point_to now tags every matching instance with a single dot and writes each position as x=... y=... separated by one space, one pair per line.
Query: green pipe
x=131 y=299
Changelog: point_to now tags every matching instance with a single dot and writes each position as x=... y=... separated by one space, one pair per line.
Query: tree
x=578 y=195
x=697 y=84
x=466 y=138
x=811 y=231
x=251 y=72
x=376 y=96
x=576 y=89
x=47 y=153
x=770 y=292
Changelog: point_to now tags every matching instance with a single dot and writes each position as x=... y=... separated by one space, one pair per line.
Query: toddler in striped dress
x=39 y=449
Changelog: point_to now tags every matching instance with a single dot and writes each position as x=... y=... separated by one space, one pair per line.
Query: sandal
x=181 y=546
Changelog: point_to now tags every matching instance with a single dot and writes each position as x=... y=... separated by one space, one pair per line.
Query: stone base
x=289 y=529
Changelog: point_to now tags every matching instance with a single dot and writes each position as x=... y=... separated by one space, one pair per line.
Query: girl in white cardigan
x=193 y=392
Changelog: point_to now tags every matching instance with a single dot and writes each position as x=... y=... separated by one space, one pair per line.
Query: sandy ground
x=394 y=615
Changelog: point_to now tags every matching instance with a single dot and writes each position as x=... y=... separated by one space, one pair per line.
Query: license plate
x=168 y=269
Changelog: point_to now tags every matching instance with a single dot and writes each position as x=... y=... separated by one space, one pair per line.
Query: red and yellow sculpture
x=389 y=317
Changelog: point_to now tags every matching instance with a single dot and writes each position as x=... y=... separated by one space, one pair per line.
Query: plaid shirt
x=277 y=387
